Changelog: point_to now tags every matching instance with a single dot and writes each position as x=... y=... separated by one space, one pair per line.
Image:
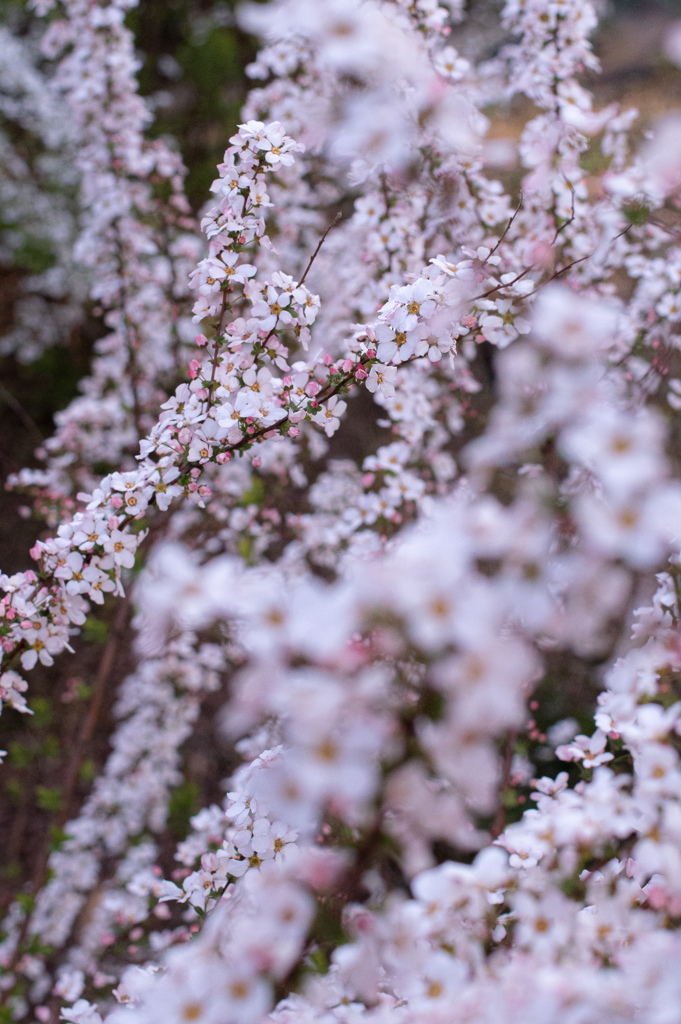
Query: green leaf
x=509 y=798
x=20 y=756
x=50 y=747
x=320 y=960
x=245 y=548
x=57 y=837
x=11 y=871
x=48 y=799
x=95 y=630
x=42 y=712
x=636 y=213
x=255 y=495
x=14 y=789
x=184 y=802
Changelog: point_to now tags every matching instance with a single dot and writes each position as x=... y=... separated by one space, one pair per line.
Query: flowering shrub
x=373 y=640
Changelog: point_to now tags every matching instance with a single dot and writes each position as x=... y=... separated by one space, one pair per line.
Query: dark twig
x=499 y=822
x=508 y=226
x=570 y=219
x=87 y=729
x=314 y=255
x=16 y=407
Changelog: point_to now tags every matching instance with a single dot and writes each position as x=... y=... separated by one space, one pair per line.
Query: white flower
x=381 y=379
x=122 y=546
x=329 y=415
x=571 y=325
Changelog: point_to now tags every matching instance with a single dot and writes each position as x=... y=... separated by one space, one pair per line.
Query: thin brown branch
x=90 y=721
x=570 y=219
x=499 y=823
x=508 y=226
x=16 y=407
x=501 y=287
x=86 y=731
x=313 y=257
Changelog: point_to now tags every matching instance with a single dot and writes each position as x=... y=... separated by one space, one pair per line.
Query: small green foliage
x=87 y=771
x=255 y=495
x=95 y=630
x=25 y=901
x=509 y=799
x=327 y=928
x=636 y=213
x=574 y=888
x=245 y=548
x=15 y=790
x=42 y=712
x=48 y=799
x=11 y=871
x=57 y=838
x=433 y=705
x=320 y=961
x=102 y=468
x=34 y=256
x=184 y=802
x=20 y=756
x=50 y=747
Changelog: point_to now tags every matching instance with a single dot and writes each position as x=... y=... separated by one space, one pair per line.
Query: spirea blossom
x=370 y=643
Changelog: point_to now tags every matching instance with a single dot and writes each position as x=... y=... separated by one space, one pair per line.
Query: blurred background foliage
x=194 y=74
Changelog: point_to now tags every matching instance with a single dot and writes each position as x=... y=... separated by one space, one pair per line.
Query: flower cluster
x=376 y=645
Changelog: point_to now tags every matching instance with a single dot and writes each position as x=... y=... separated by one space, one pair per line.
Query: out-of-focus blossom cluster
x=380 y=631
